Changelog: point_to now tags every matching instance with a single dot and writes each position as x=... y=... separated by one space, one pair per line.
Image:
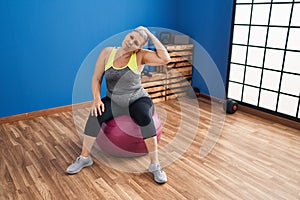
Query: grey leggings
x=141 y=112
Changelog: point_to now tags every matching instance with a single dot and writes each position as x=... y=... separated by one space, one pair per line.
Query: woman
x=125 y=95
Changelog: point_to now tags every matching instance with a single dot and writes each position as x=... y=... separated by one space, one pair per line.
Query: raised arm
x=160 y=56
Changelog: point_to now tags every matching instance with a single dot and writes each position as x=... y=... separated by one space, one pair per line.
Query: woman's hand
x=144 y=29
x=160 y=56
x=97 y=107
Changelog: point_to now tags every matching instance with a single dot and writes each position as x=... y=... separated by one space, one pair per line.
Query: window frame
x=266 y=47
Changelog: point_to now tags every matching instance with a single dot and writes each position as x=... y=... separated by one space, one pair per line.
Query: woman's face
x=133 y=41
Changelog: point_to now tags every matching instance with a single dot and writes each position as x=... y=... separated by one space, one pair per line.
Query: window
x=264 y=63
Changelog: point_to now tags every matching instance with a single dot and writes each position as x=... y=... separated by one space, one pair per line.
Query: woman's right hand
x=97 y=105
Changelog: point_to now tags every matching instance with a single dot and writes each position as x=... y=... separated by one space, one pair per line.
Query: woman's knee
x=141 y=111
x=141 y=118
x=94 y=123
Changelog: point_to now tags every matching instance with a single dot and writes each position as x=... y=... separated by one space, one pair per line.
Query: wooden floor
x=252 y=159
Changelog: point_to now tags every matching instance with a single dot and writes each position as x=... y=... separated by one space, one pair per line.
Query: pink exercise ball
x=122 y=136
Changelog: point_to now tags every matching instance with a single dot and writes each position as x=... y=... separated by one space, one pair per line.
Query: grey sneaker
x=78 y=164
x=159 y=174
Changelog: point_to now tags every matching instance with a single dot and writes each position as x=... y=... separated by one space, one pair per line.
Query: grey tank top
x=124 y=84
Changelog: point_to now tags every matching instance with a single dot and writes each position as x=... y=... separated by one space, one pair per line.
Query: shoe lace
x=158 y=169
x=77 y=159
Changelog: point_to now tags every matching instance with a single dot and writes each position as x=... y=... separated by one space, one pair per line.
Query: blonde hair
x=143 y=34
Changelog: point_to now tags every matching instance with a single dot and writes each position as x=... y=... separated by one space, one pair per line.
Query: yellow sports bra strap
x=132 y=64
x=111 y=58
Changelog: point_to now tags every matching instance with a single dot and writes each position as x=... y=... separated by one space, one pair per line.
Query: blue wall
x=209 y=24
x=43 y=43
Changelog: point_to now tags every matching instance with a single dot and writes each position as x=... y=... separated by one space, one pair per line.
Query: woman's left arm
x=158 y=57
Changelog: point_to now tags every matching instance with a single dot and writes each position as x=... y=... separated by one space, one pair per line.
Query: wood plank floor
x=252 y=159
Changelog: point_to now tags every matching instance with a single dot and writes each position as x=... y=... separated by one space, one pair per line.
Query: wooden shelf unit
x=155 y=86
x=171 y=80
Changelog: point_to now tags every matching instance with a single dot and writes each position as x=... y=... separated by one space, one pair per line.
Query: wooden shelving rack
x=170 y=81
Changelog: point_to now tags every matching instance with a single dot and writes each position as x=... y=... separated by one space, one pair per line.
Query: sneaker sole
x=160 y=182
x=75 y=172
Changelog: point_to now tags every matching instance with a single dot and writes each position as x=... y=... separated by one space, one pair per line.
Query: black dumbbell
x=230 y=106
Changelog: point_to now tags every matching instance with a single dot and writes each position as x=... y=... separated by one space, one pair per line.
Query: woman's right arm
x=96 y=83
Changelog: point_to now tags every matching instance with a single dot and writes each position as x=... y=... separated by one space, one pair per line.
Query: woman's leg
x=88 y=142
x=92 y=129
x=151 y=144
x=142 y=111
x=93 y=126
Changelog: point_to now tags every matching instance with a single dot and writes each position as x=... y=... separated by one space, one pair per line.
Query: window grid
x=291 y=73
x=263 y=64
x=298 y=108
x=257 y=55
x=284 y=54
x=273 y=26
x=268 y=3
x=247 y=47
x=270 y=90
x=293 y=50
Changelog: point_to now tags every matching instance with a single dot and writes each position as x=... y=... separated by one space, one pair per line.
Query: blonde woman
x=122 y=67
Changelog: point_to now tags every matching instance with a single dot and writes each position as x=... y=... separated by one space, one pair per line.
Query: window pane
x=253 y=76
x=250 y=95
x=274 y=59
x=236 y=73
x=292 y=62
x=282 y=0
x=261 y=1
x=242 y=14
x=240 y=34
x=243 y=1
x=270 y=80
x=268 y=100
x=235 y=91
x=267 y=55
x=260 y=14
x=294 y=41
x=290 y=84
x=287 y=105
x=277 y=37
x=280 y=14
x=255 y=56
x=258 y=36
x=238 y=54
x=296 y=15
